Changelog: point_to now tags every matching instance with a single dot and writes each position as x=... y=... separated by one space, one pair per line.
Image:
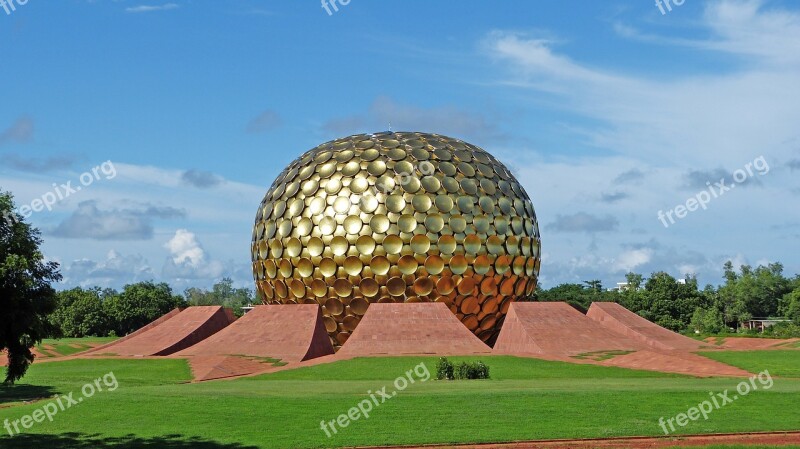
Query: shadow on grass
x=25 y=393
x=84 y=441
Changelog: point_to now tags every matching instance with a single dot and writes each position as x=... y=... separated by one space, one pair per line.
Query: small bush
x=444 y=369
x=471 y=370
x=783 y=330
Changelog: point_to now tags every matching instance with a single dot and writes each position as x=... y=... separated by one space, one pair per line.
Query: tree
x=222 y=294
x=708 y=321
x=26 y=296
x=666 y=302
x=594 y=284
x=634 y=280
x=576 y=295
x=792 y=306
x=139 y=304
x=81 y=313
x=755 y=292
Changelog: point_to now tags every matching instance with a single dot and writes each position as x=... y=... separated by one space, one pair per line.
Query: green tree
x=708 y=321
x=81 y=313
x=791 y=309
x=576 y=295
x=26 y=296
x=139 y=304
x=667 y=302
x=754 y=292
x=634 y=280
x=594 y=285
x=222 y=294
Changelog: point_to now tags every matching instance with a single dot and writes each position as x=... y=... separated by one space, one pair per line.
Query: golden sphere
x=397 y=217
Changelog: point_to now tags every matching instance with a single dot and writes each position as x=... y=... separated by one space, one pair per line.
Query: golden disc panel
x=393 y=217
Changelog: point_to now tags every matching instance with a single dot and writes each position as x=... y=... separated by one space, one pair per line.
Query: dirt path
x=765 y=438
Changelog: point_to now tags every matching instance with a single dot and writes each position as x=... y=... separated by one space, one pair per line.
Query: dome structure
x=397 y=217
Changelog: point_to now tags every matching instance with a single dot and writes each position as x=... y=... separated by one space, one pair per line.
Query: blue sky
x=608 y=112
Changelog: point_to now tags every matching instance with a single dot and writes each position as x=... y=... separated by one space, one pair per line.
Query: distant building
x=247 y=308
x=762 y=323
x=621 y=287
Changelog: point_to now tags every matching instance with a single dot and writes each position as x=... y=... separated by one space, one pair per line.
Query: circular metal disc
x=342 y=287
x=407 y=264
x=396 y=286
x=434 y=264
x=420 y=244
x=353 y=266
x=365 y=245
x=379 y=265
x=379 y=223
x=447 y=244
x=339 y=245
x=392 y=244
x=369 y=287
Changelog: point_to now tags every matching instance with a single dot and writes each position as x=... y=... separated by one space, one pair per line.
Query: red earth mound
x=264 y=337
x=621 y=320
x=171 y=333
x=411 y=328
x=556 y=331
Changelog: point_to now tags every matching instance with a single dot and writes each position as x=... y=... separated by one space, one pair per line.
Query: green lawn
x=69 y=346
x=783 y=363
x=525 y=399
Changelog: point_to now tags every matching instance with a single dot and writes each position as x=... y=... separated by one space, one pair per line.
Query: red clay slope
x=291 y=333
x=178 y=332
x=752 y=343
x=411 y=328
x=621 y=320
x=556 y=329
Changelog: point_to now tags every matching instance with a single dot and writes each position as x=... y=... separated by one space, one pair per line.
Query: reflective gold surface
x=394 y=217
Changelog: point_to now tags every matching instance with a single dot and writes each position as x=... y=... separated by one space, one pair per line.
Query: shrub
x=464 y=370
x=783 y=330
x=444 y=369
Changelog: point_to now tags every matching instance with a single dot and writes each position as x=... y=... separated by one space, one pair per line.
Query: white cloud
x=113 y=271
x=151 y=8
x=188 y=259
x=702 y=118
x=630 y=260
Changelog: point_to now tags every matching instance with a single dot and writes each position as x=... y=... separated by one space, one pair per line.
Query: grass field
x=153 y=407
x=69 y=346
x=782 y=363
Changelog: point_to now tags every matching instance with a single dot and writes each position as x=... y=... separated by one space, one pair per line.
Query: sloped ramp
x=675 y=362
x=621 y=320
x=265 y=336
x=411 y=328
x=754 y=343
x=165 y=336
x=556 y=329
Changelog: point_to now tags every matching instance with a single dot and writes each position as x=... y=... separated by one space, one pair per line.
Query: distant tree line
x=82 y=312
x=684 y=307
